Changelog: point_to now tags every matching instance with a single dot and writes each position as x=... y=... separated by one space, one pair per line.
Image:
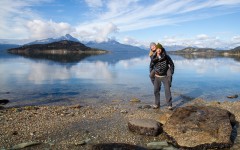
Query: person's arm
x=170 y=63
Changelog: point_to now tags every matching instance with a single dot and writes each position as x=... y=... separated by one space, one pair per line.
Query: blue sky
x=202 y=23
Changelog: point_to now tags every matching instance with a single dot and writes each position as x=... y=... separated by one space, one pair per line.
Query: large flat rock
x=145 y=127
x=200 y=127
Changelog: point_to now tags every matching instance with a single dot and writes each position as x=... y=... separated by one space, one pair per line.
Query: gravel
x=76 y=127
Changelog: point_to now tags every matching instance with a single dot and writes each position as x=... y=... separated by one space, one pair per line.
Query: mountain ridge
x=196 y=51
x=51 y=40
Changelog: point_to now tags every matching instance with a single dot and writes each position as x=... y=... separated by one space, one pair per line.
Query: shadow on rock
x=185 y=98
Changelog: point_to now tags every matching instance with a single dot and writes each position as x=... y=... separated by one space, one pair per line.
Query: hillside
x=62 y=51
x=67 y=37
x=115 y=46
x=235 y=51
x=118 y=51
x=193 y=50
x=61 y=47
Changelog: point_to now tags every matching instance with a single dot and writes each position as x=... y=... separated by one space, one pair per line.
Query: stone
x=117 y=100
x=169 y=148
x=200 y=127
x=76 y=106
x=145 y=107
x=116 y=146
x=135 y=100
x=232 y=96
x=157 y=145
x=145 y=127
x=24 y=145
x=4 y=101
x=124 y=111
x=83 y=142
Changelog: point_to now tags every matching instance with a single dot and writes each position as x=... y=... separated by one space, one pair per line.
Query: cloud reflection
x=208 y=66
x=40 y=72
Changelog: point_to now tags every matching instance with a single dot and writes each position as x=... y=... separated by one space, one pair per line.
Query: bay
x=26 y=81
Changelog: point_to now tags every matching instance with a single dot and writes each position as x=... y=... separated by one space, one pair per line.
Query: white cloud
x=20 y=20
x=202 y=36
x=235 y=41
x=39 y=29
x=135 y=42
x=95 y=32
x=94 y=3
x=14 y=14
x=135 y=14
x=201 y=41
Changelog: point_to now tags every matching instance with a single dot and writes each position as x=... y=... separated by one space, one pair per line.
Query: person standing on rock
x=161 y=63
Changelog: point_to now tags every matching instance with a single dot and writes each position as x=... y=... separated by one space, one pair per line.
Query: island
x=63 y=51
x=203 y=51
x=193 y=53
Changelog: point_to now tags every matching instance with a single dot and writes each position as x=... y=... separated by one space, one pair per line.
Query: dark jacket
x=161 y=65
x=151 y=65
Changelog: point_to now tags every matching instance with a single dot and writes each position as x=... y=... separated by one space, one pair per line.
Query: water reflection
x=208 y=56
x=40 y=72
x=92 y=81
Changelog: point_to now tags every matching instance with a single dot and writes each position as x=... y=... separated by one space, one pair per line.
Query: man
x=161 y=63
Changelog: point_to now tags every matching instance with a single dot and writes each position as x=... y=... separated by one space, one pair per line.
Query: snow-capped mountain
x=115 y=46
x=50 y=40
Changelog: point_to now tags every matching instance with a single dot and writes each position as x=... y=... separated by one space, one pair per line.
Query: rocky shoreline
x=88 y=127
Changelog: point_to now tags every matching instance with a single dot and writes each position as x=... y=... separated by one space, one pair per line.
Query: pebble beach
x=82 y=127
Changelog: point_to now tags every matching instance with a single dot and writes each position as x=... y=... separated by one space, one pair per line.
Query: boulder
x=200 y=127
x=164 y=117
x=145 y=127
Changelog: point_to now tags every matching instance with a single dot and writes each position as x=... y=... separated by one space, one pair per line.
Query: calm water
x=27 y=81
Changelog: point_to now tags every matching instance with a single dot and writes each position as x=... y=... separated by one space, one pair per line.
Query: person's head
x=158 y=45
x=159 y=51
x=159 y=48
x=153 y=46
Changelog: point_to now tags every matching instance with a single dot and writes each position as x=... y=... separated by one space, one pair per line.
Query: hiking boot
x=155 y=106
x=170 y=108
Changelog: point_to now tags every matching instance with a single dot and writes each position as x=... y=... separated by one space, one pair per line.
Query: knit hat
x=159 y=46
x=152 y=43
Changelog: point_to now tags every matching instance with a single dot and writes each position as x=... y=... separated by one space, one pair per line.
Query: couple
x=161 y=71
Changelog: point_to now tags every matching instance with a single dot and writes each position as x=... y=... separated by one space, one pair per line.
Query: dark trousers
x=152 y=76
x=157 y=87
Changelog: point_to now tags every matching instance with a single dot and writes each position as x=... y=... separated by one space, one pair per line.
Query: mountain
x=117 y=50
x=63 y=51
x=193 y=53
x=67 y=37
x=174 y=47
x=194 y=50
x=114 y=46
x=235 y=50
